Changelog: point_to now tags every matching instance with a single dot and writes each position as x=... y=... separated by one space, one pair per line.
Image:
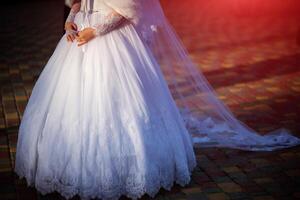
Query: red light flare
x=205 y=15
x=236 y=31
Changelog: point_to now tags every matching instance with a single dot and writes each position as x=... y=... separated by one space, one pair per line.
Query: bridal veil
x=208 y=119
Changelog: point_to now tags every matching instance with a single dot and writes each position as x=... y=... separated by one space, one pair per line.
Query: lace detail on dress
x=110 y=22
x=218 y=133
x=108 y=186
x=74 y=10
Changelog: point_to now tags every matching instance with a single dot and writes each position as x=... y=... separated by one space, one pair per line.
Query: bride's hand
x=70 y=28
x=85 y=35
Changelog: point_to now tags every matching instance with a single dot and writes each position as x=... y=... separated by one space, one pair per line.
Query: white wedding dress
x=101 y=121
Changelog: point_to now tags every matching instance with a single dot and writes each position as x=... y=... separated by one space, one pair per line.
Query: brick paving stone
x=289 y=155
x=259 y=162
x=263 y=198
x=239 y=196
x=12 y=138
x=218 y=196
x=231 y=169
x=5 y=165
x=192 y=190
x=210 y=187
x=230 y=187
x=239 y=177
x=263 y=180
x=256 y=191
x=197 y=197
x=212 y=190
x=202 y=179
x=221 y=179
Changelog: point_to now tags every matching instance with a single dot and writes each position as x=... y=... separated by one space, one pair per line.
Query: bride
x=111 y=113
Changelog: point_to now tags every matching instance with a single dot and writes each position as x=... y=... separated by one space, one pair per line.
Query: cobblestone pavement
x=249 y=54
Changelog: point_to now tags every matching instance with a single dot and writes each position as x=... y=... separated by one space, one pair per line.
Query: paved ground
x=249 y=53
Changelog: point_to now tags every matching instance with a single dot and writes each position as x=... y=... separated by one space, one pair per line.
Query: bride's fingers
x=80 y=39
x=72 y=37
x=68 y=38
x=81 y=43
x=74 y=26
x=77 y=37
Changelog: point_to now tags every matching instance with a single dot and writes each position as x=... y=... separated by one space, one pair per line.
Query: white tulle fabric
x=102 y=122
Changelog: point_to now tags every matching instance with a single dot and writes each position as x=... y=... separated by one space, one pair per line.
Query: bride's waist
x=93 y=12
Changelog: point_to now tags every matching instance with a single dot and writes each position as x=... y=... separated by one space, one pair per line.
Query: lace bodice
x=110 y=19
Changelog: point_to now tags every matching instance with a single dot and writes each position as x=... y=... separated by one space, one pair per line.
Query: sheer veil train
x=211 y=123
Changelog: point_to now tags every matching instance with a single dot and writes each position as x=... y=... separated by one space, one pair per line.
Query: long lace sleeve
x=111 y=21
x=74 y=10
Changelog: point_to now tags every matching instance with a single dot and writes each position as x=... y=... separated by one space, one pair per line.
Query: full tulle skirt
x=101 y=122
